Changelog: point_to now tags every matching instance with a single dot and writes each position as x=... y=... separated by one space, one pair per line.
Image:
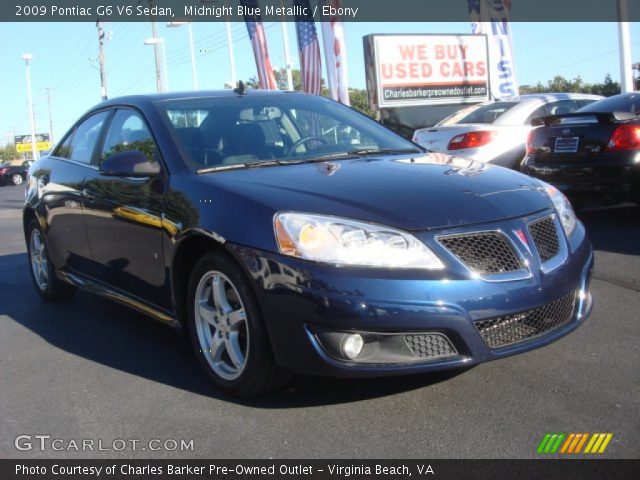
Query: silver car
x=496 y=132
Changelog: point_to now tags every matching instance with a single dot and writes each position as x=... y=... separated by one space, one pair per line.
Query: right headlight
x=342 y=241
x=563 y=207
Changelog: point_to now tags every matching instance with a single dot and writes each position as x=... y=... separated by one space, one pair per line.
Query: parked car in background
x=14 y=174
x=282 y=245
x=592 y=154
x=496 y=132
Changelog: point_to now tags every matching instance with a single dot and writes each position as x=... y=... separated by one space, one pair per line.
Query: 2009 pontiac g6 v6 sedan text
x=288 y=233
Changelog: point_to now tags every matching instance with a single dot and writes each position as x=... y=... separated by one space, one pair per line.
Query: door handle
x=89 y=195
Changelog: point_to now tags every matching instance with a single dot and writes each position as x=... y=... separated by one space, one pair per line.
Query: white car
x=496 y=132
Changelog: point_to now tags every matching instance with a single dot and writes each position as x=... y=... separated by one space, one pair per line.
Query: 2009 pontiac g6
x=288 y=233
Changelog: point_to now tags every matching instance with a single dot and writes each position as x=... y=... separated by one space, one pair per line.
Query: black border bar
x=321 y=469
x=367 y=10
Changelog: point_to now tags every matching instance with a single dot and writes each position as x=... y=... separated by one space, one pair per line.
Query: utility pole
x=156 y=52
x=48 y=89
x=27 y=57
x=104 y=87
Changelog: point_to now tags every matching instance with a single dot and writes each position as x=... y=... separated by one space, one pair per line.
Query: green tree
x=607 y=88
x=577 y=85
x=8 y=153
x=360 y=101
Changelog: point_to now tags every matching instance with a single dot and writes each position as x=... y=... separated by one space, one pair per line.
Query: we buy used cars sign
x=416 y=70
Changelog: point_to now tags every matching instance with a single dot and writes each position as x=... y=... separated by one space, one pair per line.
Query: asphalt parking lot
x=90 y=369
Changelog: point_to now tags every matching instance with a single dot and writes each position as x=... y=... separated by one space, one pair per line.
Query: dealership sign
x=23 y=142
x=412 y=70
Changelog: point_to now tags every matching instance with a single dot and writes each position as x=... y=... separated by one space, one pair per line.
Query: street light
x=194 y=72
x=160 y=41
x=27 y=57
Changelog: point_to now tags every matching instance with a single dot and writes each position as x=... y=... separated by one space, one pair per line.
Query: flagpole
x=287 y=57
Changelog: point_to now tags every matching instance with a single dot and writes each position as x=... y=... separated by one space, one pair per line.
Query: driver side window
x=128 y=131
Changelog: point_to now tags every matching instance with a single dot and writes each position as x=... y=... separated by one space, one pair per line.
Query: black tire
x=17 y=179
x=260 y=373
x=55 y=288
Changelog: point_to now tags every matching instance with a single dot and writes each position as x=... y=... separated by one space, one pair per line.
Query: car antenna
x=241 y=89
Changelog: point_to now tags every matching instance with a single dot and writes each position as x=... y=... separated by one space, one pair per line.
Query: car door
x=60 y=180
x=124 y=215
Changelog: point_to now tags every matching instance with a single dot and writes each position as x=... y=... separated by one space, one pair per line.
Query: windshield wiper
x=383 y=151
x=332 y=156
x=354 y=154
x=239 y=166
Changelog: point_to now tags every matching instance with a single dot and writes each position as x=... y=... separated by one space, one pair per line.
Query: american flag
x=310 y=61
x=260 y=51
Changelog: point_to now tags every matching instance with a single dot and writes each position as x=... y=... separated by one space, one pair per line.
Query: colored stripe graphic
x=572 y=443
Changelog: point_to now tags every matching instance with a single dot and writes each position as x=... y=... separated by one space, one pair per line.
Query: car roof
x=555 y=96
x=159 y=97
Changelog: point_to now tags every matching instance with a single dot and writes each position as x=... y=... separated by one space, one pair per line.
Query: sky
x=64 y=60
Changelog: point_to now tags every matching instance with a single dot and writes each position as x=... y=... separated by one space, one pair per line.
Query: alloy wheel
x=221 y=324
x=17 y=179
x=39 y=261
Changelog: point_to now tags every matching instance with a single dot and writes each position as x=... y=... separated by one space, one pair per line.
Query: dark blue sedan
x=286 y=233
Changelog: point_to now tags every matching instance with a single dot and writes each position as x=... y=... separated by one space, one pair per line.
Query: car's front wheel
x=227 y=331
x=17 y=179
x=48 y=286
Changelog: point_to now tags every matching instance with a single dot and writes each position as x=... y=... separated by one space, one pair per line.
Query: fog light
x=352 y=344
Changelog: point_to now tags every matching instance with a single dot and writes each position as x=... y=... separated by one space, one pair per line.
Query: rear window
x=487 y=113
x=619 y=103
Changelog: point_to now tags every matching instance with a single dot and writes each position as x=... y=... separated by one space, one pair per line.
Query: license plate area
x=566 y=145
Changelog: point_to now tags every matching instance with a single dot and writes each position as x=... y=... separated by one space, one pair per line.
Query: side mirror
x=132 y=163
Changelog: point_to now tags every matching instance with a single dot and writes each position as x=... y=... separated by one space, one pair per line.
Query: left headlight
x=341 y=241
x=563 y=207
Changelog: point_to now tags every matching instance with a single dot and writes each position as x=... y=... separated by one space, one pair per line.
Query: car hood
x=412 y=193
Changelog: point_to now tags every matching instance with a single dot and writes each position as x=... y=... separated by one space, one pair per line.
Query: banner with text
x=491 y=18
x=414 y=70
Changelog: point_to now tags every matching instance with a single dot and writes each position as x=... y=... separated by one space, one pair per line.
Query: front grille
x=483 y=252
x=545 y=238
x=430 y=345
x=510 y=329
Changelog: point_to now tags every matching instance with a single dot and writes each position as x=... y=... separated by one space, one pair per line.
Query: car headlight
x=340 y=241
x=563 y=207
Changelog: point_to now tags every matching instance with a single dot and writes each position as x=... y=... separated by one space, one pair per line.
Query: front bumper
x=300 y=300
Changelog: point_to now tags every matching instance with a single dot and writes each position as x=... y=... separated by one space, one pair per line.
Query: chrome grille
x=545 y=238
x=430 y=345
x=510 y=329
x=483 y=252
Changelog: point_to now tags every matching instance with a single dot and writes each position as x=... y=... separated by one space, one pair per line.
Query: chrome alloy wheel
x=17 y=179
x=221 y=324
x=39 y=262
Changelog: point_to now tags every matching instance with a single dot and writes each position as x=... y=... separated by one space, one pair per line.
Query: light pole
x=27 y=57
x=194 y=71
x=232 y=59
x=624 y=39
x=165 y=77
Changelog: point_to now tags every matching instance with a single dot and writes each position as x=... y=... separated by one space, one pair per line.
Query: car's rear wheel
x=48 y=286
x=17 y=179
x=227 y=331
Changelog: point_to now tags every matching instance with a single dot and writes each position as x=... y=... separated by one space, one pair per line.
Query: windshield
x=486 y=114
x=235 y=132
x=620 y=103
